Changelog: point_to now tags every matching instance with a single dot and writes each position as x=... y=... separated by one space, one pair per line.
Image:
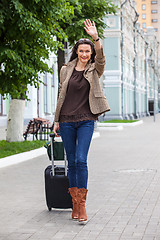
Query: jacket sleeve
x=61 y=79
x=100 y=61
x=62 y=72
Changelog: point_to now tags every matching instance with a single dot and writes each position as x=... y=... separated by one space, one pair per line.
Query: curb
x=96 y=135
x=120 y=124
x=110 y=128
x=21 y=157
x=25 y=156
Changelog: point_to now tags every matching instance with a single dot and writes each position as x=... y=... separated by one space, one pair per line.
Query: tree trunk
x=15 y=121
x=61 y=60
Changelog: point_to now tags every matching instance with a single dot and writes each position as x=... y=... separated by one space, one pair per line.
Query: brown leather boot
x=73 y=191
x=82 y=194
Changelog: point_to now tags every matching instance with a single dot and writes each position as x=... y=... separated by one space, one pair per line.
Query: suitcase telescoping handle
x=52 y=136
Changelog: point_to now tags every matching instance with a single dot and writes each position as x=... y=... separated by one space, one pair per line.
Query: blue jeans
x=76 y=138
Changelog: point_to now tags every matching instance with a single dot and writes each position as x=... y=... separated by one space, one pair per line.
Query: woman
x=80 y=102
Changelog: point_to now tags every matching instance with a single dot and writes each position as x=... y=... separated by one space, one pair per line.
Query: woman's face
x=84 y=52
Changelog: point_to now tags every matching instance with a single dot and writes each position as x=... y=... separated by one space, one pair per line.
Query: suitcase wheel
x=49 y=208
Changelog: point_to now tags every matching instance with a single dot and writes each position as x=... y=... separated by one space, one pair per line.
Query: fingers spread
x=90 y=23
x=85 y=23
x=86 y=29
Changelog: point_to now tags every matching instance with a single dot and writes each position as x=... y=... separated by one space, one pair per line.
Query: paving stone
x=150 y=238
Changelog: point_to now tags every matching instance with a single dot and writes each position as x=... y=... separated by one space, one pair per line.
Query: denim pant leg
x=69 y=136
x=84 y=135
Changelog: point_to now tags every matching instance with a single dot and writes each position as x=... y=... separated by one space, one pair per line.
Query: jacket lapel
x=70 y=67
x=89 y=67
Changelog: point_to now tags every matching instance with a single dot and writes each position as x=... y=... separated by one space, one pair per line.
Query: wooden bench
x=50 y=127
x=44 y=127
x=32 y=128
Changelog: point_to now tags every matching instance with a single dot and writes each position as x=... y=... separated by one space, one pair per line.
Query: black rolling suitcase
x=56 y=179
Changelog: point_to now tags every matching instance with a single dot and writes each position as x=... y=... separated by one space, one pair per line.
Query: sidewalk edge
x=120 y=124
x=25 y=156
x=21 y=157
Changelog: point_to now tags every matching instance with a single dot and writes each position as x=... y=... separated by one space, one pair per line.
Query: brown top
x=76 y=104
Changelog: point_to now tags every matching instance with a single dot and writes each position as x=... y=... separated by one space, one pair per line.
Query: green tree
x=27 y=29
x=28 y=32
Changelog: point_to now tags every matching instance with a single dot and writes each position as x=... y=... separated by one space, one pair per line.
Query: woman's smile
x=84 y=53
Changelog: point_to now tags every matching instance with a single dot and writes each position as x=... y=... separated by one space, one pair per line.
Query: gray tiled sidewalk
x=123 y=200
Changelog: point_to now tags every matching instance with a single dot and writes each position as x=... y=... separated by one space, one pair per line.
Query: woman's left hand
x=91 y=29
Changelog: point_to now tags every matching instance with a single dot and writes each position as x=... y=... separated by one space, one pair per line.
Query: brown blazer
x=93 y=71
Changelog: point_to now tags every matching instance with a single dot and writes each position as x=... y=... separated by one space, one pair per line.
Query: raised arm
x=100 y=58
x=92 y=31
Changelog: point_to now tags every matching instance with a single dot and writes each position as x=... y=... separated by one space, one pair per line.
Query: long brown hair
x=83 y=41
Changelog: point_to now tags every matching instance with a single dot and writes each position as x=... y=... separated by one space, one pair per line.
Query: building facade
x=149 y=15
x=131 y=75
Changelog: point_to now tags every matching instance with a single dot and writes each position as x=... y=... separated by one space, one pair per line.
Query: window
x=144 y=25
x=143 y=16
x=154 y=2
x=45 y=92
x=143 y=6
x=154 y=11
x=156 y=29
x=154 y=20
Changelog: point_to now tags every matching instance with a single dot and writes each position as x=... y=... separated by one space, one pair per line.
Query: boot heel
x=81 y=196
x=73 y=191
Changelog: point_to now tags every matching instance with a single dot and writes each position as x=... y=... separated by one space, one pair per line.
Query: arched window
x=144 y=25
x=143 y=6
x=144 y=16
